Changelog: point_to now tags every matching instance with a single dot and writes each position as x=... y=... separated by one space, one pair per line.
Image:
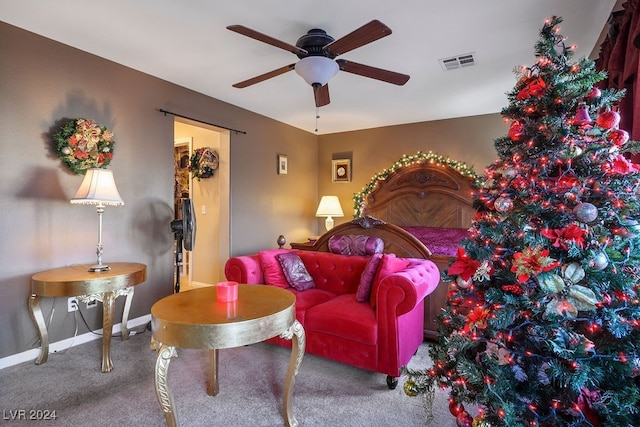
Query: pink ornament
x=582 y=115
x=594 y=93
x=617 y=137
x=608 y=119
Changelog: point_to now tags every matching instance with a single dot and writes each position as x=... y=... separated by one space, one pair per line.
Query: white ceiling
x=187 y=43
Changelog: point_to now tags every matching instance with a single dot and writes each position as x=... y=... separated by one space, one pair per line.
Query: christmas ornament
x=463 y=284
x=503 y=204
x=608 y=119
x=585 y=212
x=582 y=115
x=410 y=388
x=455 y=408
x=464 y=420
x=617 y=137
x=594 y=93
x=510 y=172
x=516 y=130
x=599 y=261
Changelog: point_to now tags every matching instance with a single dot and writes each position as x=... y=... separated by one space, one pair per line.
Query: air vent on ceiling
x=459 y=61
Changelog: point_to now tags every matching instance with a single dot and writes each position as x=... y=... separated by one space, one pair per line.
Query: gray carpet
x=251 y=384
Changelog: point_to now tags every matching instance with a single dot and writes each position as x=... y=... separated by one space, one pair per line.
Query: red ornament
x=464 y=420
x=594 y=93
x=455 y=408
x=617 y=137
x=608 y=119
x=515 y=130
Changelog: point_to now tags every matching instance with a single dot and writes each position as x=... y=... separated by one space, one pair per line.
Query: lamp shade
x=329 y=206
x=317 y=70
x=98 y=188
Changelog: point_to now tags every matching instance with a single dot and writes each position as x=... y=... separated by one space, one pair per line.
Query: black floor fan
x=184 y=230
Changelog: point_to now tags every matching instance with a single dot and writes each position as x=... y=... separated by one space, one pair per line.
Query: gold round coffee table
x=76 y=281
x=195 y=319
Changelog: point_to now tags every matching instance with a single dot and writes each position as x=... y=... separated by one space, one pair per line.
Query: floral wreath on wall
x=203 y=163
x=82 y=144
x=430 y=157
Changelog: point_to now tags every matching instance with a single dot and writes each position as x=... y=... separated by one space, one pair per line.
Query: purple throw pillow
x=295 y=272
x=366 y=280
x=354 y=244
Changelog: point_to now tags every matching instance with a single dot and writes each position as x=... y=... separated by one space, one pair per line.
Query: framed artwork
x=341 y=170
x=283 y=165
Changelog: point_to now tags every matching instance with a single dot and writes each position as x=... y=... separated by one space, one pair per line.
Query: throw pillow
x=271 y=269
x=388 y=264
x=295 y=272
x=354 y=244
x=366 y=280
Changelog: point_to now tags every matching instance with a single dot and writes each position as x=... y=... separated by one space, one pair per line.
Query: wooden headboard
x=423 y=194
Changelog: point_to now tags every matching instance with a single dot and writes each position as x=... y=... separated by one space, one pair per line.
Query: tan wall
x=468 y=139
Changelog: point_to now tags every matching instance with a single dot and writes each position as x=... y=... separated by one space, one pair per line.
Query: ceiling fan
x=317 y=50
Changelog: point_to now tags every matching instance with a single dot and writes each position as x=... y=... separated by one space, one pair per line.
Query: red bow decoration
x=537 y=87
x=464 y=266
x=560 y=237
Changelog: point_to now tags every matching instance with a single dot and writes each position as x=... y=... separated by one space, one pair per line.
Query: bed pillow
x=271 y=269
x=295 y=272
x=388 y=264
x=363 y=292
x=354 y=244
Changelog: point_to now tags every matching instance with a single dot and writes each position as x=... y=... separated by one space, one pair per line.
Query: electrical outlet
x=72 y=304
x=93 y=303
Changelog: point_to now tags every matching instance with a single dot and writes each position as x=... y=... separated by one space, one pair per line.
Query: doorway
x=204 y=266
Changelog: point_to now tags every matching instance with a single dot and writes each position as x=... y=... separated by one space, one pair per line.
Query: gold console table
x=104 y=286
x=195 y=319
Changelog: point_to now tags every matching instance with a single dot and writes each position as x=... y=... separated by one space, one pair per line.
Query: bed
x=421 y=210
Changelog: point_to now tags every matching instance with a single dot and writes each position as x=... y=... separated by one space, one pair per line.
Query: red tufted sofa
x=380 y=334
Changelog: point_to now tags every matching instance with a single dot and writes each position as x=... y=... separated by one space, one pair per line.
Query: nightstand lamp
x=329 y=207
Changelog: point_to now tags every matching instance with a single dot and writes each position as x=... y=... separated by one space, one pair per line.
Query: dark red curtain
x=619 y=56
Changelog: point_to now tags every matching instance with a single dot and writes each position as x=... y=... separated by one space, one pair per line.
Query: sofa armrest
x=401 y=291
x=244 y=269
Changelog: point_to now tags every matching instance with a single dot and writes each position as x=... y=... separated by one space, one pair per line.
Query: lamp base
x=99 y=267
x=328 y=223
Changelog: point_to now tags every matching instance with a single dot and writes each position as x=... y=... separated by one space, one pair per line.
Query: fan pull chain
x=317 y=117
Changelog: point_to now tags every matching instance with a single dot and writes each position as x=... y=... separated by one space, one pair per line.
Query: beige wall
x=43 y=82
x=468 y=139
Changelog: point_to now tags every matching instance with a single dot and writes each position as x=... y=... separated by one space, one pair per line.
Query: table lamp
x=329 y=207
x=98 y=188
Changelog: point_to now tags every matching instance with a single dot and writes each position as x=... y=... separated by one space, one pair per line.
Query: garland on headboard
x=461 y=167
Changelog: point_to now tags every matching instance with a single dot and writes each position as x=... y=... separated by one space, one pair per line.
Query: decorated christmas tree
x=542 y=321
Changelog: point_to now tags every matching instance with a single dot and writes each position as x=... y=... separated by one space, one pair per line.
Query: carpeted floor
x=251 y=382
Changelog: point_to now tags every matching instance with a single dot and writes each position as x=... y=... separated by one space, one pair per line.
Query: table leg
x=212 y=386
x=295 y=332
x=38 y=319
x=165 y=398
x=125 y=312
x=108 y=309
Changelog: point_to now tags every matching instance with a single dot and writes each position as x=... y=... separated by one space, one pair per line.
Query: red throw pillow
x=366 y=280
x=271 y=269
x=295 y=272
x=388 y=264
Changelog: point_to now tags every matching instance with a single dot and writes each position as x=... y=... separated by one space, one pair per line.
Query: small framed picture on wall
x=283 y=165
x=341 y=170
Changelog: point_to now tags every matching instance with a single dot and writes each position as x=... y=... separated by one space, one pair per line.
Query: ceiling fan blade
x=241 y=29
x=265 y=76
x=373 y=72
x=368 y=33
x=321 y=94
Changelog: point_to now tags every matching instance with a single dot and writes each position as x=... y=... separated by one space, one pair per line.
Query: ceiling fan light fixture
x=317 y=70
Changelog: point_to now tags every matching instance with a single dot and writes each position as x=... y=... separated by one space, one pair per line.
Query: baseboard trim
x=31 y=355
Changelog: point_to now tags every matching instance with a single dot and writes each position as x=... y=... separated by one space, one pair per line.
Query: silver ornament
x=600 y=261
x=503 y=204
x=463 y=284
x=585 y=212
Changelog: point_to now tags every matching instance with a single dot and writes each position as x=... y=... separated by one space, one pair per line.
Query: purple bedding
x=440 y=241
